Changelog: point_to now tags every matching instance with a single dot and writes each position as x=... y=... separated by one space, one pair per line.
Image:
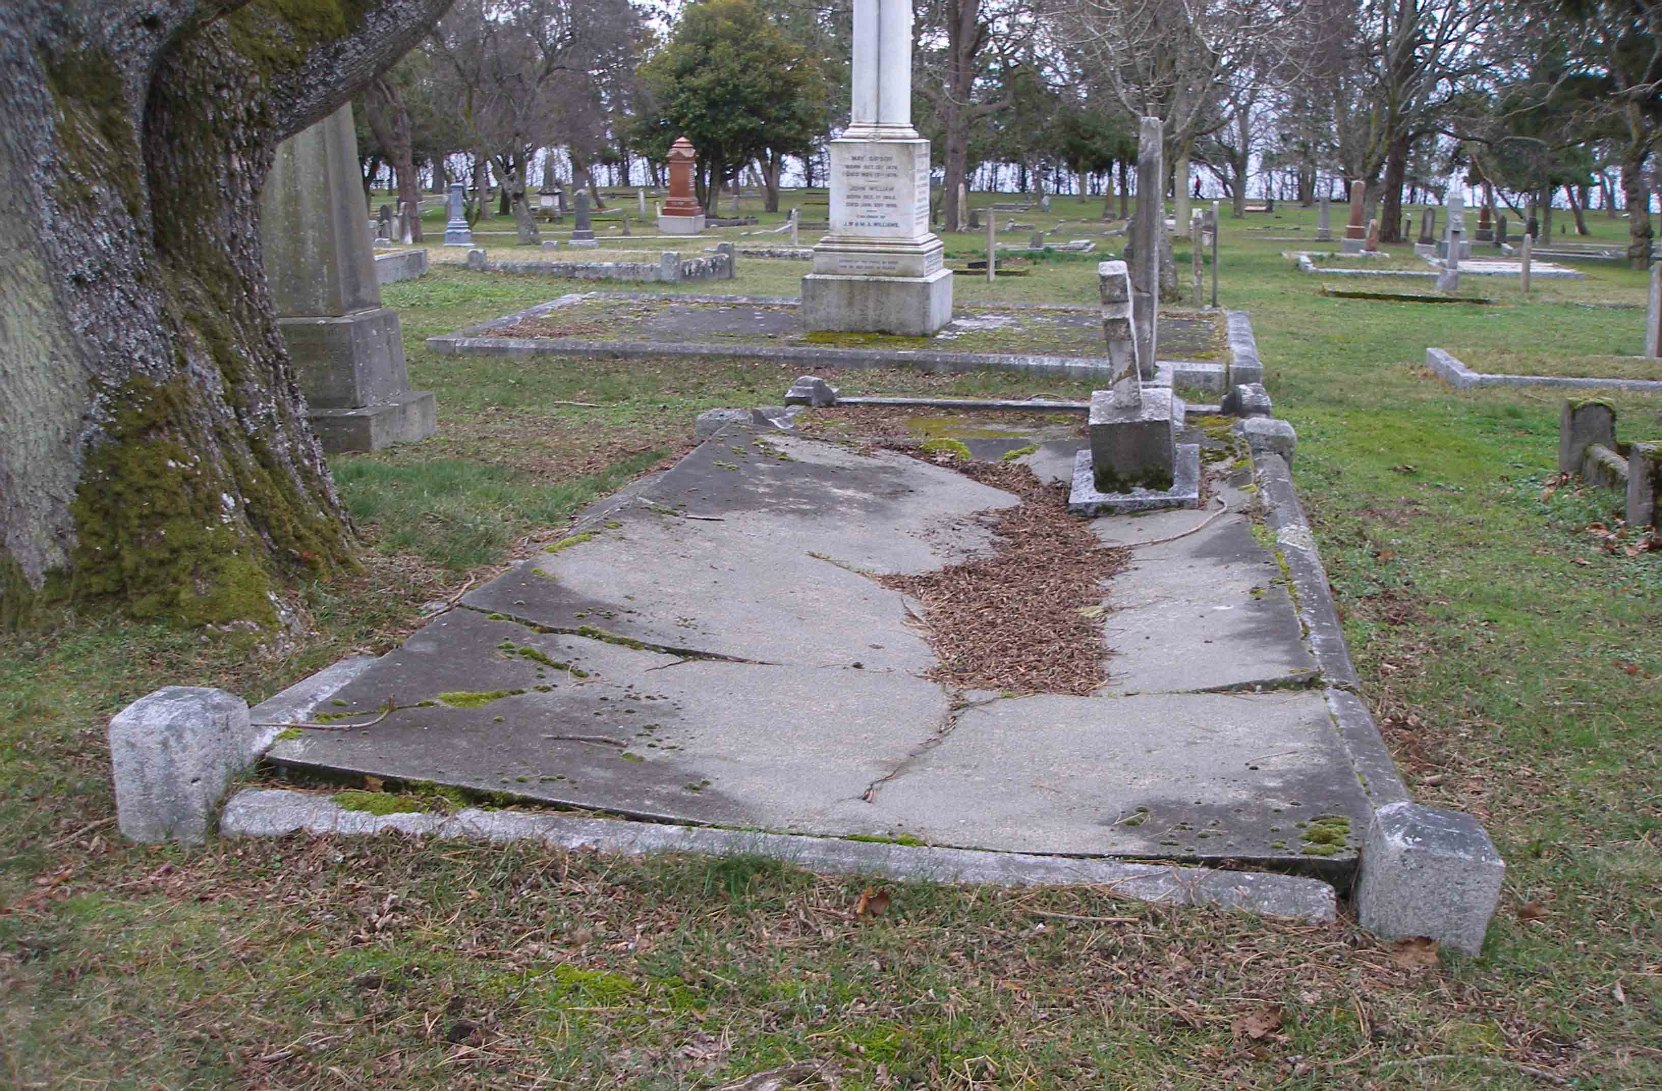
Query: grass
x=1506 y=644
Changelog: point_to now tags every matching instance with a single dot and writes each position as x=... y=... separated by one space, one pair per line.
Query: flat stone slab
x=711 y=649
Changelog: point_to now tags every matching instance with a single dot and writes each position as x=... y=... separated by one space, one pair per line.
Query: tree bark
x=154 y=449
x=1640 y=234
x=1390 y=199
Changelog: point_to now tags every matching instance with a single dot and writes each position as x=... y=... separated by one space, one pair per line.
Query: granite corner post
x=345 y=347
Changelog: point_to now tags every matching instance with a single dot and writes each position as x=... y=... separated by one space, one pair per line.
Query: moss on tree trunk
x=156 y=454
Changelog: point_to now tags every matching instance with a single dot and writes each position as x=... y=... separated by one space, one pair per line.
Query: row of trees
x=1530 y=99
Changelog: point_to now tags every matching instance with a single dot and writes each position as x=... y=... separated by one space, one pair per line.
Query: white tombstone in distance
x=880 y=268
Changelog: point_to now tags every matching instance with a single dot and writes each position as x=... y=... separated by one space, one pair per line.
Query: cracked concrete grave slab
x=711 y=648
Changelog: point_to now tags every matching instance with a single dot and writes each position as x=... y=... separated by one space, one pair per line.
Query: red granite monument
x=681 y=214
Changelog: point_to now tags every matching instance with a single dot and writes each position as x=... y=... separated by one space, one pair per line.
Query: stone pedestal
x=456 y=230
x=880 y=268
x=1653 y=314
x=345 y=348
x=681 y=214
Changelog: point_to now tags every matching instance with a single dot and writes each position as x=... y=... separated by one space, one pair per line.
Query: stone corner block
x=1269 y=434
x=812 y=391
x=1429 y=872
x=173 y=754
x=1248 y=400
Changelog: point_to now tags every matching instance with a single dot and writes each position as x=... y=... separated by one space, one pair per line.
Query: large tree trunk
x=154 y=450
x=1637 y=198
x=513 y=170
x=1390 y=200
x=390 y=122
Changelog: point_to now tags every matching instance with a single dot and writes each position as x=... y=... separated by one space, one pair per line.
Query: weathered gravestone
x=1372 y=244
x=1134 y=462
x=1454 y=243
x=880 y=268
x=582 y=229
x=1324 y=220
x=347 y=353
x=1148 y=229
x=1428 y=227
x=456 y=230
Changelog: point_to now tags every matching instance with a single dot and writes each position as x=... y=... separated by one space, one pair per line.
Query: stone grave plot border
x=1243 y=365
x=283 y=812
x=395 y=266
x=1306 y=261
x=1423 y=871
x=1456 y=374
x=716 y=263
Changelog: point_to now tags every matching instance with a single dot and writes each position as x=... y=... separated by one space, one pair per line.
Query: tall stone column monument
x=347 y=353
x=879 y=270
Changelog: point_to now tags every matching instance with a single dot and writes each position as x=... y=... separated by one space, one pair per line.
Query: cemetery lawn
x=1505 y=635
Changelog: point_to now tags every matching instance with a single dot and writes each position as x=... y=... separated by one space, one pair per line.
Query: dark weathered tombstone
x=1485 y=225
x=456 y=230
x=1371 y=245
x=975 y=219
x=1500 y=232
x=383 y=226
x=1036 y=241
x=346 y=349
x=582 y=230
x=1428 y=227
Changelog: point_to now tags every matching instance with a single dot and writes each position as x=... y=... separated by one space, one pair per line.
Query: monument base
x=1085 y=499
x=1352 y=246
x=407 y=417
x=914 y=306
x=680 y=225
x=353 y=359
x=1134 y=446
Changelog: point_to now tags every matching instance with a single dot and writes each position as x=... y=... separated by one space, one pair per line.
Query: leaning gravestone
x=1133 y=462
x=347 y=353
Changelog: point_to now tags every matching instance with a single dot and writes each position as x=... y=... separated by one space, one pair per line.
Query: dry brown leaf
x=872 y=903
x=1258 y=1024
x=1532 y=911
x=1414 y=953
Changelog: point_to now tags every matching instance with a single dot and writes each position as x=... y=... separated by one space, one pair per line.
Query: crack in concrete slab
x=591 y=632
x=959 y=706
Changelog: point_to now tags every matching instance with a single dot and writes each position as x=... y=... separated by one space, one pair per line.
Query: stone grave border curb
x=1404 y=884
x=1461 y=377
x=282 y=812
x=1307 y=264
x=477 y=340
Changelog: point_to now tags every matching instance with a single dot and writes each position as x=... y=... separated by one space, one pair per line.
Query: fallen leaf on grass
x=1416 y=952
x=791 y=1075
x=872 y=903
x=1258 y=1024
x=1532 y=911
